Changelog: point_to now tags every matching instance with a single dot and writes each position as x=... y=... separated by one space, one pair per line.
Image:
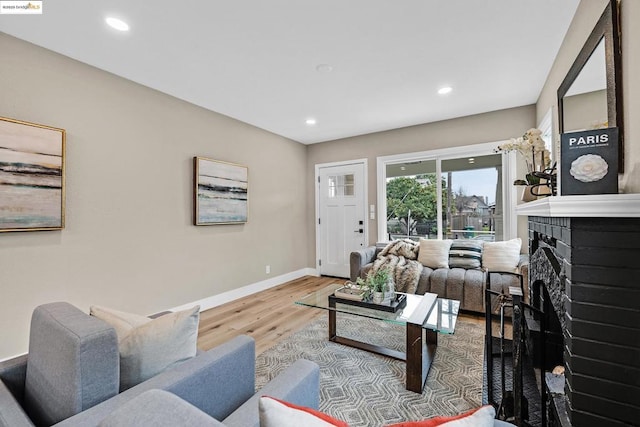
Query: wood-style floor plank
x=267 y=316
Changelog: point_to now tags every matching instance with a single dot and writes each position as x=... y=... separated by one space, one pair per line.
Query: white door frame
x=365 y=214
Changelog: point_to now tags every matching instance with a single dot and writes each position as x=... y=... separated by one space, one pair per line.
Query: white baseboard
x=225 y=297
x=12 y=357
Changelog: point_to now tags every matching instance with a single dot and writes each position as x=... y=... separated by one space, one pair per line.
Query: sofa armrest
x=523 y=268
x=298 y=384
x=158 y=408
x=216 y=382
x=13 y=373
x=359 y=259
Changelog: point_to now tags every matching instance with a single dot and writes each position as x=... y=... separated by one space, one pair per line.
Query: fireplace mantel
x=594 y=206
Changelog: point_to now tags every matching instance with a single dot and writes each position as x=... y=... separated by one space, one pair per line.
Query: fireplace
x=585 y=274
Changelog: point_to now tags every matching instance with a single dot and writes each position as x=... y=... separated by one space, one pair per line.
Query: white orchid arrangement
x=532 y=148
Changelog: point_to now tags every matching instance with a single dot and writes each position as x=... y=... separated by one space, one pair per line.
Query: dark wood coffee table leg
x=419 y=355
x=373 y=348
x=332 y=320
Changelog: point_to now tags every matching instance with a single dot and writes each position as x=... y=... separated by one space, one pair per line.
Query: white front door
x=342 y=217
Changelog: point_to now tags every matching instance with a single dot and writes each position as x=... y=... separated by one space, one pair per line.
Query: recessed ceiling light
x=445 y=90
x=311 y=122
x=116 y=23
x=324 y=68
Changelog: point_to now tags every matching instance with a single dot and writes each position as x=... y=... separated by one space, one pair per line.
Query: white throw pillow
x=434 y=253
x=149 y=346
x=502 y=256
x=278 y=413
x=122 y=322
x=483 y=417
x=479 y=417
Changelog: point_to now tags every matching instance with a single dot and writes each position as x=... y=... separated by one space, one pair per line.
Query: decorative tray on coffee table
x=352 y=296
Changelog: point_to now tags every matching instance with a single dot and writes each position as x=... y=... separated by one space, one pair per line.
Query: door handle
x=359 y=231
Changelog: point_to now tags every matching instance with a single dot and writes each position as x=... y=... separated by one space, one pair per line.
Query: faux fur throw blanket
x=400 y=257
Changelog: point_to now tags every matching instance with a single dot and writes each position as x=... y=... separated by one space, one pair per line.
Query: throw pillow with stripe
x=465 y=254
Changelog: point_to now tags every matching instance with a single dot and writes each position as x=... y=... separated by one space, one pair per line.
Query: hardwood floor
x=266 y=316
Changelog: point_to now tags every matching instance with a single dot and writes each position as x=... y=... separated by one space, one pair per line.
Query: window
x=454 y=193
x=340 y=186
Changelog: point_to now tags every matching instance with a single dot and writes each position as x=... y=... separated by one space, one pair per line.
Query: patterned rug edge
x=365 y=389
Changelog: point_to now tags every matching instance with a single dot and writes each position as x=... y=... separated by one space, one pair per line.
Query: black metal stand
x=513 y=405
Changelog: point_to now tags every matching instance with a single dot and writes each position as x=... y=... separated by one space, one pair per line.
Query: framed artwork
x=220 y=193
x=31 y=176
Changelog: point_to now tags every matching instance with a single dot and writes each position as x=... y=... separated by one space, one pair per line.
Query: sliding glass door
x=451 y=194
x=473 y=207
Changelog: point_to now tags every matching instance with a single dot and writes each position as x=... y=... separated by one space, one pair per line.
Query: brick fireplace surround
x=585 y=254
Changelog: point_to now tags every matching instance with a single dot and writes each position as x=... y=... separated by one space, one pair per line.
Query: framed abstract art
x=32 y=193
x=220 y=192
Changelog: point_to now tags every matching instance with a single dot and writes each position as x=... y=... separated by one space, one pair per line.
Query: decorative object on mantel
x=31 y=176
x=589 y=162
x=548 y=182
x=532 y=148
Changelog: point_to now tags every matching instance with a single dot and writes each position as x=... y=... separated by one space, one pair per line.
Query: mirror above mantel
x=590 y=96
x=585 y=103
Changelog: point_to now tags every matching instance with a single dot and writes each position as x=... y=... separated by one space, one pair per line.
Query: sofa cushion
x=149 y=346
x=502 y=256
x=158 y=408
x=434 y=253
x=465 y=253
x=73 y=363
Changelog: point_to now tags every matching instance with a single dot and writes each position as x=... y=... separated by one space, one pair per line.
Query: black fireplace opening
x=553 y=333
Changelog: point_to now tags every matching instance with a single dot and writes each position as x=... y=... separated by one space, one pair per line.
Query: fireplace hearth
x=585 y=275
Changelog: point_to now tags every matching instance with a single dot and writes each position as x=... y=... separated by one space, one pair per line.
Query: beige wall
x=587 y=15
x=129 y=242
x=487 y=127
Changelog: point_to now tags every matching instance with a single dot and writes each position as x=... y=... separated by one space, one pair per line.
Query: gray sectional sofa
x=466 y=285
x=71 y=377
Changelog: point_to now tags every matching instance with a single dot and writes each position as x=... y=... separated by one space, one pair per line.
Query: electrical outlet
x=267 y=269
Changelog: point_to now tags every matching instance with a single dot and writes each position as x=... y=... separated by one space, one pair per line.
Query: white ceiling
x=256 y=60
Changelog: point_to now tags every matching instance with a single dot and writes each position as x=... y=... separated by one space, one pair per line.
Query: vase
x=390 y=294
x=527 y=195
x=378 y=297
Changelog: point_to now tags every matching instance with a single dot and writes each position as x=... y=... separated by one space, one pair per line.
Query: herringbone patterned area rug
x=365 y=389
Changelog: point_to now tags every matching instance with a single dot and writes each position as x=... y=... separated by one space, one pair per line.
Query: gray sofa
x=466 y=285
x=71 y=376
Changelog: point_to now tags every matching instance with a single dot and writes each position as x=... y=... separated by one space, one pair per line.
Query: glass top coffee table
x=423 y=320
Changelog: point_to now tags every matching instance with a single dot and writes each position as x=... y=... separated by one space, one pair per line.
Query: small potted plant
x=377 y=283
